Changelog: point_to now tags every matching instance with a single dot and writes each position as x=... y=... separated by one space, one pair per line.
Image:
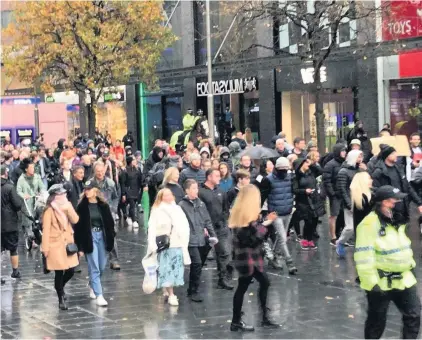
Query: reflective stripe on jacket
x=388 y=254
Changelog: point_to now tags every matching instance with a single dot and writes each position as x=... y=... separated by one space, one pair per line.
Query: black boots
x=241 y=327
x=62 y=303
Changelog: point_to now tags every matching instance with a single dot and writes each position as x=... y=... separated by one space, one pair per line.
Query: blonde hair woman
x=360 y=193
x=248 y=237
x=168 y=234
x=171 y=182
x=94 y=235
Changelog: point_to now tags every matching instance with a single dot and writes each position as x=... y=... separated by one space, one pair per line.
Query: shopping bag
x=150 y=264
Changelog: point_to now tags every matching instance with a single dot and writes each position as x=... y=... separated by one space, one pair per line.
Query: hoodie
x=345 y=177
x=225 y=157
x=11 y=204
x=331 y=170
x=235 y=150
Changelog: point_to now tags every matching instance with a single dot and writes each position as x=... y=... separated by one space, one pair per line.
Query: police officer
x=384 y=262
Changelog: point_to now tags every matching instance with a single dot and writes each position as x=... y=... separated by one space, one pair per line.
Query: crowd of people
x=205 y=197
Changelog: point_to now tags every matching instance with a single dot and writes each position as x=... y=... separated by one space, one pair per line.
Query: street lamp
x=210 y=97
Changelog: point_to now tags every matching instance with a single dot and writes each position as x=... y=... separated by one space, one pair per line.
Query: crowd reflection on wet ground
x=322 y=301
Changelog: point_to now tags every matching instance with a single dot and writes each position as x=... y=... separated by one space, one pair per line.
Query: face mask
x=79 y=154
x=282 y=172
x=225 y=156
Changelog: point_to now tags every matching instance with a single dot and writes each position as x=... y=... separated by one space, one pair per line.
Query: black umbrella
x=260 y=152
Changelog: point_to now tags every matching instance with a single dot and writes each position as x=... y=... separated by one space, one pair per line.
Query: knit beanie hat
x=387 y=152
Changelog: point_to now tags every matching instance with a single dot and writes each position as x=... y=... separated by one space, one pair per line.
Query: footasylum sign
x=232 y=86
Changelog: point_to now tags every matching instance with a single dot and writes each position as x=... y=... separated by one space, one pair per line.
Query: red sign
x=410 y=64
x=401 y=19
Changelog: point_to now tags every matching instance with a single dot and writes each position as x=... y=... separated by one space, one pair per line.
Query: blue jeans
x=97 y=261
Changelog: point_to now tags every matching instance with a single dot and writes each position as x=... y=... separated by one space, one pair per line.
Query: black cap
x=387 y=152
x=57 y=189
x=90 y=185
x=386 y=192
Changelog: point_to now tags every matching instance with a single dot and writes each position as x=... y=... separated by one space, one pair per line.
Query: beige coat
x=55 y=238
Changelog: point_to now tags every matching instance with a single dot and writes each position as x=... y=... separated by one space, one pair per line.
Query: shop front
x=339 y=98
x=236 y=103
x=111 y=112
x=400 y=92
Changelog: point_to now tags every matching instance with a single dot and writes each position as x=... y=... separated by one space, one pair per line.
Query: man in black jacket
x=353 y=164
x=76 y=183
x=329 y=179
x=281 y=148
x=216 y=202
x=387 y=172
x=201 y=231
x=11 y=204
x=131 y=186
x=246 y=164
x=194 y=171
x=128 y=139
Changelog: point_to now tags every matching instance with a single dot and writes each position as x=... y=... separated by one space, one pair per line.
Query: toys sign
x=401 y=19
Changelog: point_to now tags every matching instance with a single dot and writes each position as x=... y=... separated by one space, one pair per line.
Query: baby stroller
x=35 y=218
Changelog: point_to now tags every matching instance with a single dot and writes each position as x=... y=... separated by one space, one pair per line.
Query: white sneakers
x=129 y=221
x=135 y=225
x=101 y=301
x=92 y=294
x=173 y=301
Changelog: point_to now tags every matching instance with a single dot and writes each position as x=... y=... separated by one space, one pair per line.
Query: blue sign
x=20 y=101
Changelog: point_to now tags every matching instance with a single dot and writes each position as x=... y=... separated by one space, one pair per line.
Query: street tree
x=85 y=45
x=314 y=27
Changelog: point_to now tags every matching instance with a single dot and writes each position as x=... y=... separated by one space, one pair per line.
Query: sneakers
x=341 y=252
x=349 y=244
x=311 y=245
x=333 y=242
x=291 y=267
x=92 y=294
x=222 y=284
x=129 y=221
x=135 y=225
x=16 y=274
x=101 y=302
x=304 y=244
x=241 y=327
x=299 y=238
x=173 y=301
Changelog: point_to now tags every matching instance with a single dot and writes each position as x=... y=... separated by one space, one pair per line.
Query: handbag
x=71 y=248
x=163 y=242
x=44 y=265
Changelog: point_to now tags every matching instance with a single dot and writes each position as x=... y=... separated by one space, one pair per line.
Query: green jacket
x=378 y=255
x=32 y=186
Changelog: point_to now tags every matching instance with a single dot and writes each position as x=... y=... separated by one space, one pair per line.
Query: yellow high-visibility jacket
x=391 y=253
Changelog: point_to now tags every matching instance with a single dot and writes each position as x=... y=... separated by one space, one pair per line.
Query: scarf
x=57 y=206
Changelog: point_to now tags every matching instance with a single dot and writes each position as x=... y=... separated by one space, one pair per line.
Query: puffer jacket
x=192 y=173
x=280 y=197
x=331 y=169
x=199 y=219
x=344 y=179
x=11 y=204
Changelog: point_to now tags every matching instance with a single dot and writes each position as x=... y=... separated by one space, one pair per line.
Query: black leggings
x=61 y=278
x=242 y=287
x=309 y=228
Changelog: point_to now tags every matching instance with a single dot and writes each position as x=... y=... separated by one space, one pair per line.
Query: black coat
x=380 y=177
x=87 y=172
x=217 y=206
x=177 y=191
x=131 y=182
x=308 y=206
x=329 y=177
x=11 y=204
x=344 y=179
x=83 y=234
x=75 y=192
x=197 y=214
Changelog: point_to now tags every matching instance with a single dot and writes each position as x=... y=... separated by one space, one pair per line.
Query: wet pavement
x=322 y=301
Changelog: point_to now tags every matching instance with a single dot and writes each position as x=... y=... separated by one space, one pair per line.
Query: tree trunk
x=319 y=111
x=83 y=110
x=92 y=114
